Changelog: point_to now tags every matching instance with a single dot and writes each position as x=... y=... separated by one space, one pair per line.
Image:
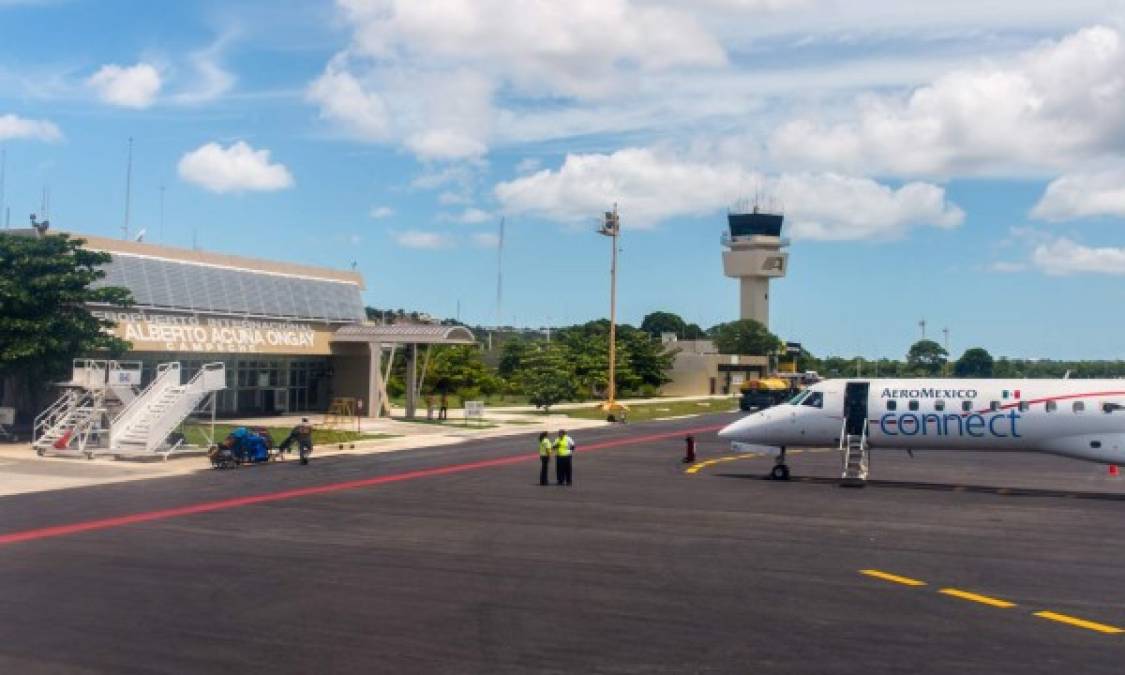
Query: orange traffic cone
x=1113 y=470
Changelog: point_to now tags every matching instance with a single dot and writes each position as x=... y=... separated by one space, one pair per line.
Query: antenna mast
x=128 y=188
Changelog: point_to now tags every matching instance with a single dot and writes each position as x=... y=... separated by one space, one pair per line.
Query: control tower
x=755 y=255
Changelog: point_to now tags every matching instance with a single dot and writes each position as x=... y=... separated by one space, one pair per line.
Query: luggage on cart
x=242 y=446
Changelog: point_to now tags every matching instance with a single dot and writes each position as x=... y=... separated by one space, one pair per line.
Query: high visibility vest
x=562 y=446
x=545 y=447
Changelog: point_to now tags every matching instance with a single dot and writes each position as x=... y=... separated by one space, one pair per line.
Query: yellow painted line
x=695 y=468
x=975 y=597
x=887 y=576
x=1081 y=623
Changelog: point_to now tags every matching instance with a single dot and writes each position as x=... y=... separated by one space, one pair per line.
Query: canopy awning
x=404 y=333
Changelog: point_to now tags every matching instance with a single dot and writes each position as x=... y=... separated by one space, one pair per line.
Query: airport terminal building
x=293 y=337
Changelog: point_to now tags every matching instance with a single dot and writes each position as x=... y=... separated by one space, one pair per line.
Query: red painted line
x=206 y=507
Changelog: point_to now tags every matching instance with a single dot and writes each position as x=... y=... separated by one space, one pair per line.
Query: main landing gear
x=780 y=470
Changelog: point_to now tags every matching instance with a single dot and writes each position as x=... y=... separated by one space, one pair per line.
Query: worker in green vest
x=544 y=457
x=564 y=451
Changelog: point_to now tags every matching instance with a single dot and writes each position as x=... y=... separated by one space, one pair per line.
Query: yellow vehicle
x=764 y=393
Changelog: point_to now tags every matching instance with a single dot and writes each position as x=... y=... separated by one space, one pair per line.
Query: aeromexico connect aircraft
x=1080 y=419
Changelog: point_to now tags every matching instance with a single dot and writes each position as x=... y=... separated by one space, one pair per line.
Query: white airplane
x=1080 y=419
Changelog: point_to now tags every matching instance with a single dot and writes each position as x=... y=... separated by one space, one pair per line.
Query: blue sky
x=961 y=164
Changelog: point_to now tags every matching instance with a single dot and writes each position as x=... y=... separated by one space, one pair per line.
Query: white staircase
x=75 y=422
x=144 y=425
x=857 y=457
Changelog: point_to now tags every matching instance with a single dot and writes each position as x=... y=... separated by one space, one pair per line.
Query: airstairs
x=76 y=422
x=145 y=424
x=857 y=457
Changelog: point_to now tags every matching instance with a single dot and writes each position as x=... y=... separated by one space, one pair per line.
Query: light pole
x=612 y=229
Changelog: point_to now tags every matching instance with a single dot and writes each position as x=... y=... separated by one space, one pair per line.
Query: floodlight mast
x=611 y=227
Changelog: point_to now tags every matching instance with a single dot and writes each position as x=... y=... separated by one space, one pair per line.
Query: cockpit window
x=796 y=400
x=814 y=400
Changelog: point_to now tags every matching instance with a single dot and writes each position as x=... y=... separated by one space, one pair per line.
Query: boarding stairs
x=72 y=424
x=145 y=424
x=857 y=457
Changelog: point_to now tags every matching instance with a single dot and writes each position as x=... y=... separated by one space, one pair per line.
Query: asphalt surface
x=455 y=560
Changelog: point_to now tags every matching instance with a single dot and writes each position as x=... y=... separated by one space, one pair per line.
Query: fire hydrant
x=689 y=456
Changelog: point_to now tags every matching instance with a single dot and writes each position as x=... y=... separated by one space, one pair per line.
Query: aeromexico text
x=929 y=393
x=192 y=333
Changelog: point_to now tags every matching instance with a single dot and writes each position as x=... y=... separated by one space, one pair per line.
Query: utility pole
x=612 y=229
x=128 y=189
x=922 y=325
x=945 y=335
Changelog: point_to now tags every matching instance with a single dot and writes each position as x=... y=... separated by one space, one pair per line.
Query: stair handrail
x=162 y=381
x=195 y=391
x=51 y=416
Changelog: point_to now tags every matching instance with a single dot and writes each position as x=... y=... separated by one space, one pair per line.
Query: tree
x=657 y=323
x=512 y=355
x=745 y=337
x=926 y=357
x=975 y=362
x=462 y=370
x=44 y=321
x=548 y=376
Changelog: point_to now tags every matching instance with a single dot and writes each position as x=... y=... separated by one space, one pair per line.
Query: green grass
x=194 y=434
x=456 y=422
x=653 y=411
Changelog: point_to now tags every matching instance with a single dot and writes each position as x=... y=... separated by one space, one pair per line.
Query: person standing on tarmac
x=544 y=457
x=302 y=433
x=564 y=452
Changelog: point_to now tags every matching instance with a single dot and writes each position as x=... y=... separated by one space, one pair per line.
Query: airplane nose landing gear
x=780 y=470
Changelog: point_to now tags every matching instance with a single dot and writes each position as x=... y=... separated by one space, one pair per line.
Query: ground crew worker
x=564 y=451
x=302 y=433
x=544 y=457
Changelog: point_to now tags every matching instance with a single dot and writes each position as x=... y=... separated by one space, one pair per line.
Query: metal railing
x=167 y=376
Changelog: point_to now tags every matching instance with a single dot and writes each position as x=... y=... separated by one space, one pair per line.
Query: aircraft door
x=855 y=406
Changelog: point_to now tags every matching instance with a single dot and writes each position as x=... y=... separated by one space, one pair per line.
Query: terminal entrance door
x=855 y=406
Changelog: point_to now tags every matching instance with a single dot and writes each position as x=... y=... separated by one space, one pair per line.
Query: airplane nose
x=741 y=429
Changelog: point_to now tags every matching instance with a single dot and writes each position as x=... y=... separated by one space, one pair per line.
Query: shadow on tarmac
x=947 y=487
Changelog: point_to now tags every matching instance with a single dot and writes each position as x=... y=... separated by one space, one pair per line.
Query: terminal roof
x=404 y=333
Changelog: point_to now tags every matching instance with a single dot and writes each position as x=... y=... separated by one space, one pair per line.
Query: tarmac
x=452 y=559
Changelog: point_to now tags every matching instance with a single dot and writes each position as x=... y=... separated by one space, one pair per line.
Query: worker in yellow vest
x=564 y=451
x=544 y=457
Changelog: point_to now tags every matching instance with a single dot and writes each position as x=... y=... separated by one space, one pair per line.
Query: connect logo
x=1000 y=425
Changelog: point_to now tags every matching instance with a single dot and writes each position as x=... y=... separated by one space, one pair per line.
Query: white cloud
x=421 y=239
x=1080 y=195
x=15 y=127
x=1064 y=257
x=342 y=99
x=210 y=79
x=486 y=240
x=128 y=86
x=651 y=187
x=1055 y=105
x=474 y=216
x=237 y=168
x=379 y=212
x=1007 y=267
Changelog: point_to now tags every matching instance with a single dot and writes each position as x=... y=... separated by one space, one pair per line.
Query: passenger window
x=815 y=400
x=1079 y=406
x=892 y=405
x=913 y=405
x=1024 y=406
x=939 y=405
x=994 y=406
x=1052 y=406
x=966 y=406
